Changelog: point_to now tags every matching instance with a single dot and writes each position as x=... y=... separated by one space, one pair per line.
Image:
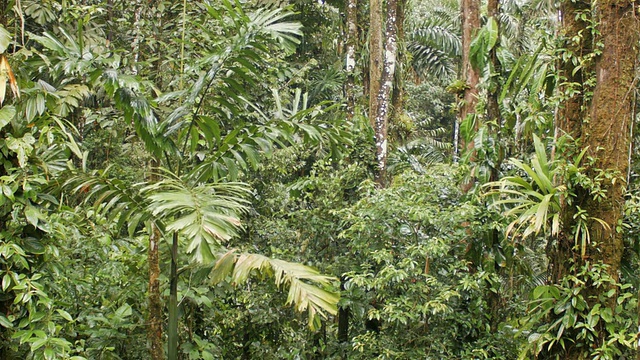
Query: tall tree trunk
x=470 y=24
x=155 y=305
x=603 y=126
x=571 y=114
x=172 y=332
x=135 y=44
x=352 y=39
x=611 y=116
x=384 y=94
x=397 y=101
x=493 y=107
x=375 y=57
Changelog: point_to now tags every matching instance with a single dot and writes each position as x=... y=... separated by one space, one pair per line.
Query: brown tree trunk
x=155 y=305
x=351 y=41
x=494 y=117
x=571 y=114
x=470 y=24
x=602 y=123
x=573 y=84
x=608 y=131
x=493 y=108
x=384 y=94
x=154 y=331
x=375 y=57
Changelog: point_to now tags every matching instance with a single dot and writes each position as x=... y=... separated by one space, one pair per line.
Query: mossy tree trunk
x=494 y=118
x=470 y=10
x=156 y=348
x=574 y=89
x=608 y=132
x=375 y=56
x=597 y=111
x=344 y=313
x=599 y=117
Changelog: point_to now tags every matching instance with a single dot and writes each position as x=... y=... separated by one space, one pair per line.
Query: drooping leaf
x=5 y=39
x=6 y=115
x=303 y=295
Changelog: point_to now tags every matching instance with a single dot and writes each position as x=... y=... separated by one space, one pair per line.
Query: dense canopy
x=291 y=179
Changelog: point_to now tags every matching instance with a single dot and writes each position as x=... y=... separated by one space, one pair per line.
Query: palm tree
x=191 y=195
x=434 y=40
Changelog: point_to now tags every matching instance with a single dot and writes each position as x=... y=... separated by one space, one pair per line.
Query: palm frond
x=206 y=214
x=440 y=34
x=305 y=296
x=433 y=45
x=414 y=155
x=232 y=70
x=120 y=202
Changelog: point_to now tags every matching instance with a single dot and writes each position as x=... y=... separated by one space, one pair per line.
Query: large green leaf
x=206 y=215
x=313 y=298
x=484 y=41
x=5 y=39
x=6 y=115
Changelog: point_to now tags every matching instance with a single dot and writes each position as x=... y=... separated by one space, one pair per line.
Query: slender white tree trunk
x=352 y=36
x=384 y=94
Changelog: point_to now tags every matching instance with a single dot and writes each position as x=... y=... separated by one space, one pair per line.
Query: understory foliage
x=221 y=131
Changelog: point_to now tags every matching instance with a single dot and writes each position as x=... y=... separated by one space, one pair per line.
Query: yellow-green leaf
x=5 y=39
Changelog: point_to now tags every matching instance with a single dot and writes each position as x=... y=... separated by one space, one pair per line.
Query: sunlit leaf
x=5 y=39
x=305 y=296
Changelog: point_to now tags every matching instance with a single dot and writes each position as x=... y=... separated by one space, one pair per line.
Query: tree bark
x=135 y=44
x=155 y=305
x=351 y=41
x=494 y=117
x=397 y=99
x=571 y=114
x=352 y=36
x=602 y=122
x=384 y=94
x=375 y=57
x=470 y=24
x=172 y=331
x=154 y=331
x=493 y=108
x=608 y=131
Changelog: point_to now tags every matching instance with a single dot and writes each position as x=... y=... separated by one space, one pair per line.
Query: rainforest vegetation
x=319 y=179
